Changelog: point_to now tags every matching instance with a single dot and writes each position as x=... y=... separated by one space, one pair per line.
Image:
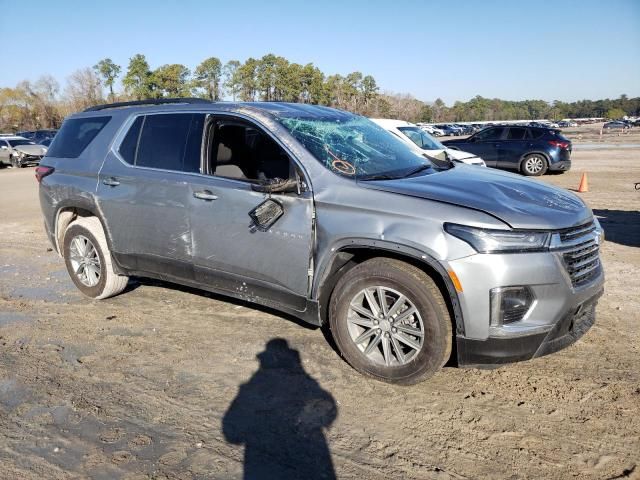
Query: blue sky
x=565 y=50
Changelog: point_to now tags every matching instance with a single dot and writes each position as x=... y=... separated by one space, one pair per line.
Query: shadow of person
x=280 y=415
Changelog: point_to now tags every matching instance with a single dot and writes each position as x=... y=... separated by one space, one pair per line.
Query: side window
x=241 y=151
x=129 y=146
x=165 y=141
x=516 y=133
x=75 y=135
x=489 y=134
x=536 y=132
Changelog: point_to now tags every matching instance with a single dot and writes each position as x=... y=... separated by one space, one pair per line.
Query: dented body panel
x=155 y=225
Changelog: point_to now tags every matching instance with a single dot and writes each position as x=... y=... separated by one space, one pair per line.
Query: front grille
x=580 y=252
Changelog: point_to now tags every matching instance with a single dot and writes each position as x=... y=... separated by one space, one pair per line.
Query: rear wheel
x=88 y=260
x=390 y=321
x=534 y=165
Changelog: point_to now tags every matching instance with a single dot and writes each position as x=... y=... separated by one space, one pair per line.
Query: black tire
x=422 y=292
x=534 y=165
x=109 y=283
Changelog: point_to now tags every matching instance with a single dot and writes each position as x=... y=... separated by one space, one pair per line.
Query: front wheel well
x=347 y=258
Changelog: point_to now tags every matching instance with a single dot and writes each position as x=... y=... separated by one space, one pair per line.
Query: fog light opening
x=510 y=304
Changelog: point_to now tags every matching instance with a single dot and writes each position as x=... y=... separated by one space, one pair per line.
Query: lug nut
x=376 y=322
x=386 y=334
x=379 y=330
x=394 y=329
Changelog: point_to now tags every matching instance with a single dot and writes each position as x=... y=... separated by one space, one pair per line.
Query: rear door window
x=536 y=132
x=516 y=133
x=75 y=135
x=165 y=141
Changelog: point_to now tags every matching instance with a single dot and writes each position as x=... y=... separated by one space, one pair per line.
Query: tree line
x=43 y=103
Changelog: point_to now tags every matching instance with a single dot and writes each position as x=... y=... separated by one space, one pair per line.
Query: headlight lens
x=500 y=241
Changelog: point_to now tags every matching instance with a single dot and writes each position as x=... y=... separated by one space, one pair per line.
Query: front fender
x=323 y=284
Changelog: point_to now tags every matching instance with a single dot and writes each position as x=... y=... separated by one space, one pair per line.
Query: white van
x=425 y=143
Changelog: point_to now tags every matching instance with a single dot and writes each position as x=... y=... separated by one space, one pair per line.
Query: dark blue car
x=529 y=150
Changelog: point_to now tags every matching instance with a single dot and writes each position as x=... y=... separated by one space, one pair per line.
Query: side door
x=231 y=251
x=143 y=192
x=484 y=144
x=512 y=147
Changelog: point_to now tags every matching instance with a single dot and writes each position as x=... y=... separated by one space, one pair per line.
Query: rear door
x=512 y=147
x=143 y=191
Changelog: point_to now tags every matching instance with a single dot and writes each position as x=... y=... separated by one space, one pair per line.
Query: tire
x=382 y=362
x=88 y=231
x=534 y=165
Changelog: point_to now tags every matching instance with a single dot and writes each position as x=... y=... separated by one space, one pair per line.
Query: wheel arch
x=352 y=252
x=67 y=211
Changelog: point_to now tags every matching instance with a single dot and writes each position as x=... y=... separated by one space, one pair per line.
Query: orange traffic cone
x=584 y=184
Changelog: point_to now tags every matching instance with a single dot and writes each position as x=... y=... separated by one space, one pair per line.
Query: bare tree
x=83 y=90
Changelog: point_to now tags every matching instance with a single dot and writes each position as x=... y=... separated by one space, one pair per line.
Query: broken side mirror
x=266 y=214
x=276 y=185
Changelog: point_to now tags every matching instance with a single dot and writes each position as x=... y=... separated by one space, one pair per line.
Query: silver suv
x=324 y=215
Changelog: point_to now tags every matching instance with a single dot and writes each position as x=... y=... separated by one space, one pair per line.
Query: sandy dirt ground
x=165 y=382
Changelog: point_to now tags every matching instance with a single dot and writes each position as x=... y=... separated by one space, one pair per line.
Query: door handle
x=111 y=182
x=205 y=195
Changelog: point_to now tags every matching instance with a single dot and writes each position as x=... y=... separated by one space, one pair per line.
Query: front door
x=230 y=251
x=486 y=144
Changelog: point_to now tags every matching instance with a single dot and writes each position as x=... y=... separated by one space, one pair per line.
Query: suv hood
x=36 y=150
x=519 y=202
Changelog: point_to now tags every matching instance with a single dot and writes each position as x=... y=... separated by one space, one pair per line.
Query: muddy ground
x=142 y=385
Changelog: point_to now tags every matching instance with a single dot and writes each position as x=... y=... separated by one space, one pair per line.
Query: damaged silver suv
x=323 y=215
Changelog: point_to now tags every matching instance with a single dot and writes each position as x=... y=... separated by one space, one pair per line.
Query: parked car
x=464 y=129
x=324 y=215
x=20 y=152
x=616 y=125
x=448 y=130
x=431 y=130
x=529 y=150
x=416 y=137
x=37 y=136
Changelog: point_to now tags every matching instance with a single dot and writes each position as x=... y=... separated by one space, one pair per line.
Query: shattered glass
x=356 y=148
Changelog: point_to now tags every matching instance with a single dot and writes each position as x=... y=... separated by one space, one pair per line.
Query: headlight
x=500 y=241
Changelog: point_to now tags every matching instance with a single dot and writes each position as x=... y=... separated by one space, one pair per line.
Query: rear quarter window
x=75 y=135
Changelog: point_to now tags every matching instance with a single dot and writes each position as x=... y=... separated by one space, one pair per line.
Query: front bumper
x=497 y=351
x=565 y=283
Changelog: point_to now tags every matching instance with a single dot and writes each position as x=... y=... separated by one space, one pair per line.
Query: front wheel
x=390 y=321
x=534 y=165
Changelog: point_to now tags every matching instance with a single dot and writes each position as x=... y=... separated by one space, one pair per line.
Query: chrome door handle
x=205 y=195
x=111 y=182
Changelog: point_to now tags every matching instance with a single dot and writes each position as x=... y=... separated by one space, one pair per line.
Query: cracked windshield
x=356 y=148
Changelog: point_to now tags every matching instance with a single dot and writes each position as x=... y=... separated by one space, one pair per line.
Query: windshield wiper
x=379 y=176
x=419 y=169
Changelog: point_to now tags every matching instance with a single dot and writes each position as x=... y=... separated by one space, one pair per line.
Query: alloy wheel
x=85 y=261
x=534 y=165
x=385 y=326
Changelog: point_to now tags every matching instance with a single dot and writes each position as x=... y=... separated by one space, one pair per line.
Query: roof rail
x=150 y=101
